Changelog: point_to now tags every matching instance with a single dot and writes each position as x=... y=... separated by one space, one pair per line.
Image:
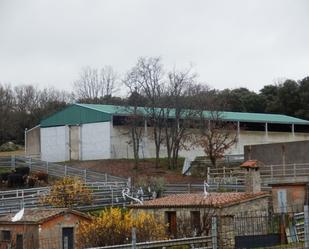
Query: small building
x=193 y=212
x=289 y=196
x=92 y=131
x=53 y=228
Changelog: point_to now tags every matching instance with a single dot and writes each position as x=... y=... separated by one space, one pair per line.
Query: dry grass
x=9 y=153
x=125 y=168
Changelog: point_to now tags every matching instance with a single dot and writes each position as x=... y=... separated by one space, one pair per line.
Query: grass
x=10 y=153
x=5 y=169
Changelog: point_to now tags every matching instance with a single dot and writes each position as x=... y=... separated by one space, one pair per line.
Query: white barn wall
x=122 y=149
x=95 y=141
x=54 y=147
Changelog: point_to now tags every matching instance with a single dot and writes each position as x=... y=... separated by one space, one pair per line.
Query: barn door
x=74 y=142
x=67 y=238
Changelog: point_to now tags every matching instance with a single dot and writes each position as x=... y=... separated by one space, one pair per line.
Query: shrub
x=114 y=226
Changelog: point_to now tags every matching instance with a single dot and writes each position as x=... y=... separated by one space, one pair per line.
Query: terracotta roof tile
x=37 y=215
x=199 y=199
x=251 y=164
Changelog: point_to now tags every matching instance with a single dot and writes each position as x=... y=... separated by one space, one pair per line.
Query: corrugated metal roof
x=91 y=113
x=75 y=115
x=227 y=116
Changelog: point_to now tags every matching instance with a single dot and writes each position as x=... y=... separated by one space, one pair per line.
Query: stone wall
x=225 y=217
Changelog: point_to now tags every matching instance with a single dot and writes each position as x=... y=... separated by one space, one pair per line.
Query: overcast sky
x=230 y=43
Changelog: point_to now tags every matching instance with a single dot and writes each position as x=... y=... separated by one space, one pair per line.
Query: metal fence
x=102 y=196
x=195 y=242
x=269 y=174
x=58 y=170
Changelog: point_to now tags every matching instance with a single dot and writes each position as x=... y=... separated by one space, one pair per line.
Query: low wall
x=279 y=153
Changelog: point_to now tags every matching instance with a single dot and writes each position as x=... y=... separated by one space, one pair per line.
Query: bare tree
x=94 y=84
x=136 y=118
x=27 y=98
x=178 y=116
x=7 y=103
x=215 y=135
x=148 y=77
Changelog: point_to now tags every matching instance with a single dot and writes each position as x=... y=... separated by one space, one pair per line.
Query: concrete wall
x=121 y=147
x=279 y=153
x=54 y=144
x=33 y=141
x=96 y=141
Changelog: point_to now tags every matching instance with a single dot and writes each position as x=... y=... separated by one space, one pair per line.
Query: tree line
x=148 y=83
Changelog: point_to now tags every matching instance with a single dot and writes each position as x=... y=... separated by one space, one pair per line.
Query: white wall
x=121 y=148
x=95 y=141
x=54 y=147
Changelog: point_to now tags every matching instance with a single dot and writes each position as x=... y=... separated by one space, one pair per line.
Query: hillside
x=125 y=168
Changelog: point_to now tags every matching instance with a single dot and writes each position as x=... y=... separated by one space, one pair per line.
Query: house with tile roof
x=191 y=214
x=41 y=228
x=92 y=131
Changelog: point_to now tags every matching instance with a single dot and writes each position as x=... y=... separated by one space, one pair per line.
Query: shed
x=42 y=228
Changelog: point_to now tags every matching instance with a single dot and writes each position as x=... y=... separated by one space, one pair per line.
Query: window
x=6 y=235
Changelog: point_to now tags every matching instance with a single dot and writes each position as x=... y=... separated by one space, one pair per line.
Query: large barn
x=92 y=131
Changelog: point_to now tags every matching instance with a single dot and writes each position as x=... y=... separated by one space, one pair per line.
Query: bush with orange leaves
x=114 y=227
x=68 y=192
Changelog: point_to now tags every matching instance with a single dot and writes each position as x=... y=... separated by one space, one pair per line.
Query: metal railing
x=205 y=240
x=103 y=195
x=58 y=170
x=269 y=174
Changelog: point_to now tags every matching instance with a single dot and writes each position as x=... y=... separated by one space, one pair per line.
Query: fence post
x=47 y=167
x=29 y=163
x=85 y=175
x=294 y=169
x=13 y=161
x=306 y=226
x=65 y=170
x=112 y=197
x=105 y=177
x=214 y=235
x=208 y=174
x=271 y=173
x=133 y=238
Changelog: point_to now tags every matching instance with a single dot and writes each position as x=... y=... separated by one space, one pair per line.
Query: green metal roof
x=74 y=115
x=90 y=113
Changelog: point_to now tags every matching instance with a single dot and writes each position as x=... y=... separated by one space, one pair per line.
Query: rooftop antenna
x=126 y=194
x=206 y=186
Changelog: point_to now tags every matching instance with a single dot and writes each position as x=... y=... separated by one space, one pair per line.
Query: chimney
x=252 y=176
